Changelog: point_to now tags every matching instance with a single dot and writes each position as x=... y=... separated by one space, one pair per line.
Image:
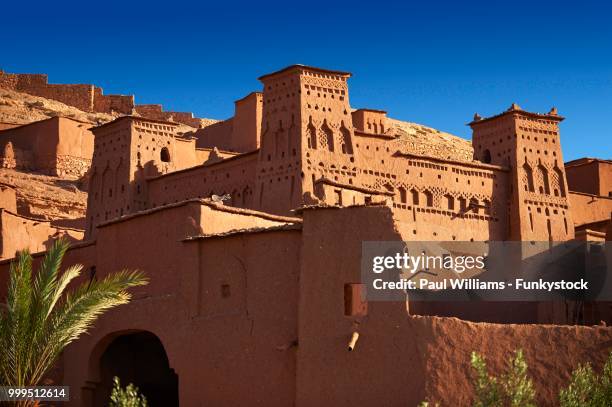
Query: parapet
x=370 y=121
x=308 y=70
x=112 y=103
x=86 y=97
x=155 y=111
x=90 y=98
x=241 y=133
x=515 y=109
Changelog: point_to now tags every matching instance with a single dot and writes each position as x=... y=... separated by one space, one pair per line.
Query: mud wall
x=399 y=359
x=156 y=112
x=56 y=146
x=588 y=208
x=18 y=233
x=8 y=198
x=112 y=103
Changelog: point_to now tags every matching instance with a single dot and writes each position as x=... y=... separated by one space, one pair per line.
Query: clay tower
x=126 y=151
x=306 y=120
x=529 y=145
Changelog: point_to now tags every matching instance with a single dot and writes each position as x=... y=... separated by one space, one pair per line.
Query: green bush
x=513 y=388
x=587 y=389
x=126 y=397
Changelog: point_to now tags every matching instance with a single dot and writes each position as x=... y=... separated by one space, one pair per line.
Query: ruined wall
x=86 y=97
x=15 y=158
x=112 y=103
x=156 y=112
x=8 y=198
x=31 y=147
x=74 y=149
x=18 y=232
x=56 y=146
x=79 y=96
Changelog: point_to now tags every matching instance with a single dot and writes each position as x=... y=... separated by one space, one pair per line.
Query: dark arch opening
x=165 y=155
x=138 y=358
x=486 y=156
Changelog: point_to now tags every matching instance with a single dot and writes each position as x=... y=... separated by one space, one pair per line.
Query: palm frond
x=41 y=318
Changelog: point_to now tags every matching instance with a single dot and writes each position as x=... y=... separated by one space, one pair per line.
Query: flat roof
x=58 y=117
x=473 y=164
x=203 y=202
x=365 y=109
x=336 y=207
x=516 y=109
x=362 y=133
x=364 y=190
x=249 y=95
x=135 y=118
x=234 y=232
x=307 y=68
x=586 y=160
x=196 y=167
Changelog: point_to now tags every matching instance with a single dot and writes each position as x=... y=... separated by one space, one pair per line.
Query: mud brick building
x=254 y=296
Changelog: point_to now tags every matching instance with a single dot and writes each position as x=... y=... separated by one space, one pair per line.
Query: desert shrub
x=587 y=389
x=513 y=388
x=126 y=397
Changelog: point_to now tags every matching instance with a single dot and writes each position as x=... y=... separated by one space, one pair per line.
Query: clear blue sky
x=434 y=63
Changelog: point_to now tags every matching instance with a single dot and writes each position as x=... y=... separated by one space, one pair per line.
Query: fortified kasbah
x=250 y=230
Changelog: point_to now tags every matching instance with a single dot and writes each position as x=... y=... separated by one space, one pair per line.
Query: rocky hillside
x=418 y=139
x=46 y=197
x=41 y=196
x=21 y=108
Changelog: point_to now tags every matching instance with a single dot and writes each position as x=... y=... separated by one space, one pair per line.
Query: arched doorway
x=138 y=358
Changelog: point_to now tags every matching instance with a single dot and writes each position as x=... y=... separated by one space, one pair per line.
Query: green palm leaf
x=41 y=317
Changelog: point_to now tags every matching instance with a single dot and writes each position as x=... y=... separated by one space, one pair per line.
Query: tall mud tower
x=529 y=144
x=126 y=151
x=306 y=121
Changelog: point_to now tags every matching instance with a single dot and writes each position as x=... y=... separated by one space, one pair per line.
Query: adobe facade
x=57 y=146
x=513 y=188
x=248 y=308
x=250 y=230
